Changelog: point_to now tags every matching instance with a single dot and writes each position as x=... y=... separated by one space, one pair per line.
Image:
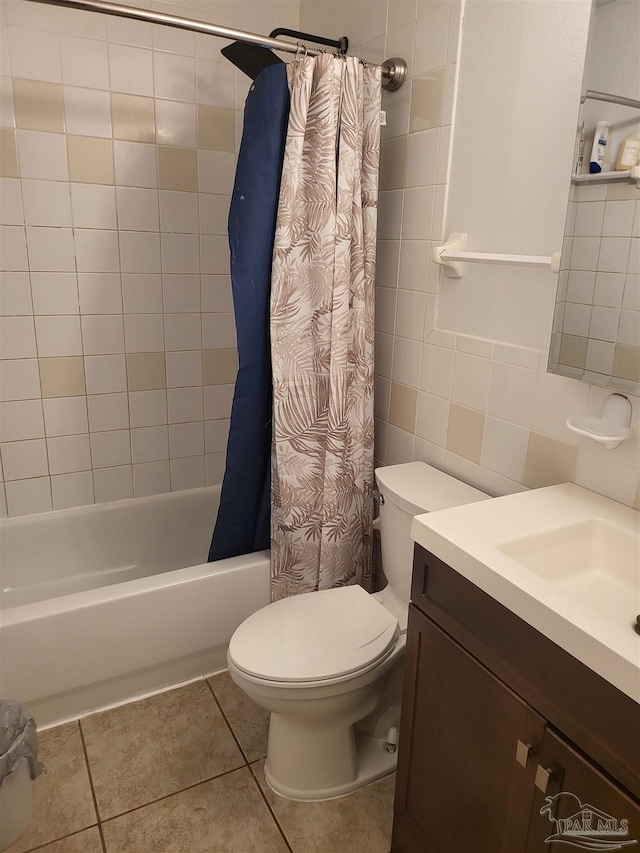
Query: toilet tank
x=407 y=490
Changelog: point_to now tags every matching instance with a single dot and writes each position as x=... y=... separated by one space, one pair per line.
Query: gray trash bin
x=19 y=765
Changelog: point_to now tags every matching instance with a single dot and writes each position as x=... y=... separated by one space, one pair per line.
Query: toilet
x=327 y=665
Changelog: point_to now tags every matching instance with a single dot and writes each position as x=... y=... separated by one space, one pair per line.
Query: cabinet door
x=576 y=807
x=461 y=787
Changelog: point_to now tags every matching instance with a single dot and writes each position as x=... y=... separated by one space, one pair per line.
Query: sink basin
x=564 y=559
x=594 y=561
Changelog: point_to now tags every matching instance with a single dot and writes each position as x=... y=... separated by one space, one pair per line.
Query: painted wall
x=116 y=336
x=461 y=365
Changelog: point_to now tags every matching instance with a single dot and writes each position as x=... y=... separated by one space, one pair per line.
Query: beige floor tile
x=62 y=801
x=353 y=824
x=225 y=815
x=249 y=722
x=156 y=747
x=88 y=841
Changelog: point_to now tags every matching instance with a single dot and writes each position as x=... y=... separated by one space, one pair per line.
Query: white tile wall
x=65 y=416
x=42 y=155
x=87 y=112
x=104 y=271
x=54 y=293
x=506 y=383
x=125 y=282
x=15 y=297
x=135 y=164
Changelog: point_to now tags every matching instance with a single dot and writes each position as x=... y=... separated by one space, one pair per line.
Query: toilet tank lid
x=417 y=487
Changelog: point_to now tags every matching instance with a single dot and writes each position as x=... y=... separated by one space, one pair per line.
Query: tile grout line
x=172 y=794
x=248 y=764
x=271 y=811
x=99 y=820
x=229 y=726
x=57 y=840
x=93 y=792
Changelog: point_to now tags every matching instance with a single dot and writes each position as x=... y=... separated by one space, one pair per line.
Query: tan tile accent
x=185 y=740
x=402 y=409
x=622 y=192
x=90 y=160
x=426 y=100
x=38 y=106
x=62 y=377
x=132 y=118
x=393 y=158
x=626 y=363
x=146 y=371
x=249 y=723
x=360 y=822
x=219 y=366
x=62 y=796
x=549 y=462
x=465 y=432
x=224 y=814
x=573 y=350
x=87 y=841
x=8 y=154
x=216 y=128
x=177 y=168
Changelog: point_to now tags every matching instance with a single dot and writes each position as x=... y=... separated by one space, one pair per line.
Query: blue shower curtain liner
x=242 y=525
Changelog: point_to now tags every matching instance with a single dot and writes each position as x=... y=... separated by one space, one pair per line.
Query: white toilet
x=328 y=665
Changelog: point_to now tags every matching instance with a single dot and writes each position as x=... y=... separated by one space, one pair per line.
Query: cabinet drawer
x=595 y=715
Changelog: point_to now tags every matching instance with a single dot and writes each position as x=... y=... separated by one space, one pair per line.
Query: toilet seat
x=315 y=638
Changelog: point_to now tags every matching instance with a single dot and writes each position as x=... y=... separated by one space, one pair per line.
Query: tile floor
x=181 y=772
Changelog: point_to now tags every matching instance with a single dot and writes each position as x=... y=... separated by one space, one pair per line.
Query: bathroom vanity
x=498 y=715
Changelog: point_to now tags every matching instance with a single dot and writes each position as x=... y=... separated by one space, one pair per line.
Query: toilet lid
x=314 y=636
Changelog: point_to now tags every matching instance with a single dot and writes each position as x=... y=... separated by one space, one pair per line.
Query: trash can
x=19 y=765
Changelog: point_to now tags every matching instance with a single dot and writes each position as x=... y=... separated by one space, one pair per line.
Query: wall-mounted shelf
x=451 y=254
x=608 y=177
x=613 y=425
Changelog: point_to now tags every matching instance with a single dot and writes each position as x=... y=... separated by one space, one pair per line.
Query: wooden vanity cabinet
x=492 y=713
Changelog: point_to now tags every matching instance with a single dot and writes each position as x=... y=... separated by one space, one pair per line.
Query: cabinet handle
x=523 y=751
x=543 y=776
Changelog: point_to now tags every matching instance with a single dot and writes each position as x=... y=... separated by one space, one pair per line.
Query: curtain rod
x=590 y=95
x=394 y=71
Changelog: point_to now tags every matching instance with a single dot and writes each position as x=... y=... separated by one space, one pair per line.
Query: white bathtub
x=105 y=603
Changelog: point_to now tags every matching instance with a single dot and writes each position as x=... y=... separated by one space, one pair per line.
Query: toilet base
x=373 y=762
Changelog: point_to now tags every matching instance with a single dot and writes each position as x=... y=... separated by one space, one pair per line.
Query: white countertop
x=472 y=539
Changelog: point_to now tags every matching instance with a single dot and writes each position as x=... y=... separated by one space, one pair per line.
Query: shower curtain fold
x=322 y=328
x=242 y=524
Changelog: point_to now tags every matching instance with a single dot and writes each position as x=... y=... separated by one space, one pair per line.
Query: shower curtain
x=322 y=328
x=242 y=524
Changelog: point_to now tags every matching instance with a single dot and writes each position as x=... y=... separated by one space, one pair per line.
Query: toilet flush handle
x=380 y=498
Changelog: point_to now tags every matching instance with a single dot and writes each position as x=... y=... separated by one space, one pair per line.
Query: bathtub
x=105 y=603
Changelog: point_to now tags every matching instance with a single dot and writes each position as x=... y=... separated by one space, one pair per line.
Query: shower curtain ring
x=301 y=53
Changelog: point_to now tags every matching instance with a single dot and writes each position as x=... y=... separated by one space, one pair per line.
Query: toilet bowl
x=327 y=665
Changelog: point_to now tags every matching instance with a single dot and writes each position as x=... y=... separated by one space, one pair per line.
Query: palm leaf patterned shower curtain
x=322 y=308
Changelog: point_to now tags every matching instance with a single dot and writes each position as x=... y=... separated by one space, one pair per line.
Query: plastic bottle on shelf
x=629 y=153
x=599 y=146
x=580 y=149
